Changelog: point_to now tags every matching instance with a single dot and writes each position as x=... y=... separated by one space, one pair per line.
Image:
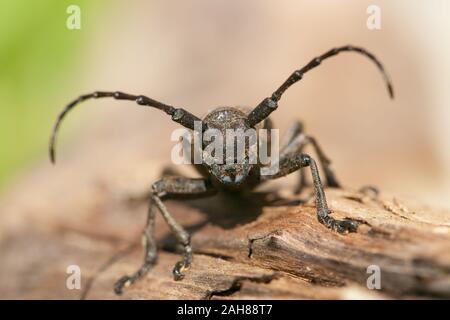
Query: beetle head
x=227 y=126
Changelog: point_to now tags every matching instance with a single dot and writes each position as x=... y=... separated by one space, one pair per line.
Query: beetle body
x=231 y=171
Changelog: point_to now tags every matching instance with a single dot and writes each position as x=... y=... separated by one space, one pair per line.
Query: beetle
x=237 y=176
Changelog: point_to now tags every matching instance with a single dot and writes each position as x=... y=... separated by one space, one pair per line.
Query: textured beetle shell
x=224 y=118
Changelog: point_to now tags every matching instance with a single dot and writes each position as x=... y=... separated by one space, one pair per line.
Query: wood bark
x=258 y=246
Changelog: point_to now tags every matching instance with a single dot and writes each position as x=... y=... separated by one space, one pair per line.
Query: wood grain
x=250 y=247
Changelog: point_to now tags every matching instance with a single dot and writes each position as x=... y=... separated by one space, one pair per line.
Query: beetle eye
x=238 y=178
x=226 y=179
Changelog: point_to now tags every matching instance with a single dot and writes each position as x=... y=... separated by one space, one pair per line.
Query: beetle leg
x=167 y=187
x=292 y=162
x=150 y=253
x=292 y=131
x=295 y=141
x=330 y=177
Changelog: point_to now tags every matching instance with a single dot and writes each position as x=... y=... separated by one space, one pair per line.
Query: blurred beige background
x=203 y=54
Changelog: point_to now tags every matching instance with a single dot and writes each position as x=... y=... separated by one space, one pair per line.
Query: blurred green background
x=37 y=62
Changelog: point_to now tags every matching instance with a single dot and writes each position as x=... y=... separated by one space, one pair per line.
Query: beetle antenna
x=268 y=105
x=179 y=115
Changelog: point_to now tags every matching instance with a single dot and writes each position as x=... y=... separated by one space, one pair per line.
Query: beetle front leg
x=176 y=187
x=291 y=162
x=150 y=251
x=323 y=213
x=181 y=235
x=295 y=141
x=168 y=187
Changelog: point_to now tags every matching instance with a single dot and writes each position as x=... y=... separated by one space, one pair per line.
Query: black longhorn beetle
x=226 y=177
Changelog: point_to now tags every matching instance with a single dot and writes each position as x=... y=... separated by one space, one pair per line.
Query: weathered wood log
x=256 y=251
x=258 y=246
